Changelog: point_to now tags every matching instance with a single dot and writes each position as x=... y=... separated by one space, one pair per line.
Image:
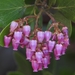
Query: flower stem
x=36 y=24
x=51 y=17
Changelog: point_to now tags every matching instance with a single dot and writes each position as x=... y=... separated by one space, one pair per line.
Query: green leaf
x=52 y=2
x=74 y=74
x=40 y=22
x=46 y=72
x=65 y=72
x=32 y=23
x=49 y=23
x=14 y=73
x=4 y=32
x=11 y=10
x=23 y=65
x=60 y=18
x=67 y=8
x=30 y=10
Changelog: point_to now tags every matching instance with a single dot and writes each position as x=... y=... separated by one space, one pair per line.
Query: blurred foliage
x=15 y=73
x=23 y=65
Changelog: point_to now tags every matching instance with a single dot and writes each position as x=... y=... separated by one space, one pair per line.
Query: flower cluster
x=38 y=48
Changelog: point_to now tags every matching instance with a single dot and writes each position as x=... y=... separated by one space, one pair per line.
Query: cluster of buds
x=43 y=43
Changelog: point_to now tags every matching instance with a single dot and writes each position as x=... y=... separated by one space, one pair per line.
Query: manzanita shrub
x=23 y=22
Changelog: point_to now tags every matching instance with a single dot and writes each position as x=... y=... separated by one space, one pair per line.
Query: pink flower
x=48 y=58
x=48 y=35
x=7 y=41
x=35 y=65
x=51 y=45
x=40 y=66
x=56 y=56
x=54 y=36
x=28 y=54
x=65 y=30
x=60 y=36
x=40 y=36
x=15 y=45
x=45 y=62
x=13 y=26
x=66 y=42
x=17 y=36
x=45 y=51
x=26 y=30
x=26 y=41
x=58 y=49
x=39 y=56
x=33 y=44
x=63 y=50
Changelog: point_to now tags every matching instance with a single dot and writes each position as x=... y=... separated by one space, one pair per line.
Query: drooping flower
x=28 y=54
x=45 y=62
x=17 y=36
x=33 y=44
x=40 y=36
x=48 y=35
x=58 y=49
x=13 y=26
x=26 y=30
x=60 y=36
x=39 y=56
x=65 y=30
x=15 y=45
x=51 y=45
x=7 y=40
x=35 y=65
